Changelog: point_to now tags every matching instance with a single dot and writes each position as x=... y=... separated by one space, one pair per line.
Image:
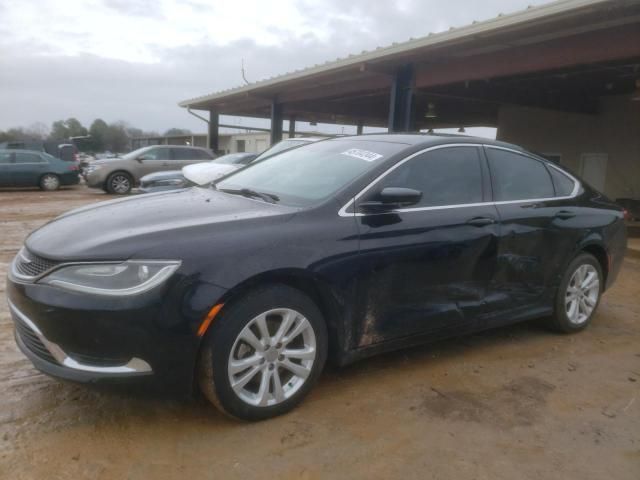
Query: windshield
x=312 y=173
x=231 y=158
x=281 y=147
x=135 y=154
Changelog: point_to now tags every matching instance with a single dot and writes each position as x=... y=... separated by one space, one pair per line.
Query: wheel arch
x=600 y=253
x=311 y=285
x=57 y=175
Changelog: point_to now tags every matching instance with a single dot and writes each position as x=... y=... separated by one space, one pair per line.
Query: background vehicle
x=119 y=175
x=26 y=168
x=205 y=173
x=348 y=247
x=288 y=144
x=64 y=151
x=202 y=173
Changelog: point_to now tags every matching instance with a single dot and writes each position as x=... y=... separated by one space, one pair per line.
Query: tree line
x=99 y=137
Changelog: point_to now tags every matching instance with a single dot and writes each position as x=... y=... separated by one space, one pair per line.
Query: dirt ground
x=519 y=402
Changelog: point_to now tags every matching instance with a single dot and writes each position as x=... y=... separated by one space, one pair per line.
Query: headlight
x=92 y=168
x=127 y=278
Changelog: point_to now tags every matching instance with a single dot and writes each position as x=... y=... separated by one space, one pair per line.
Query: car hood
x=122 y=228
x=204 y=173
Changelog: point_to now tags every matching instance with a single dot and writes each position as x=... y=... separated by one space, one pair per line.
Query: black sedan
x=340 y=249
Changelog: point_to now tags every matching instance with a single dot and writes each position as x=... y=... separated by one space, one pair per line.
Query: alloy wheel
x=582 y=294
x=50 y=182
x=120 y=184
x=272 y=357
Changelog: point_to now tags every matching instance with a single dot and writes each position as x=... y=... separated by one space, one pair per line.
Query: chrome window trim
x=343 y=211
x=133 y=366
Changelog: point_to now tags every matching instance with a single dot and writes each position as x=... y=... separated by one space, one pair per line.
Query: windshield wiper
x=247 y=192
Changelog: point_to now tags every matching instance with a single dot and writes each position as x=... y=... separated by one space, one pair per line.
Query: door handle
x=565 y=214
x=481 y=221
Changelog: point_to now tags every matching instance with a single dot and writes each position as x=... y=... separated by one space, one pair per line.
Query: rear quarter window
x=563 y=184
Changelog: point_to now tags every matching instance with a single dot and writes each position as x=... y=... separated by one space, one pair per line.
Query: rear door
x=538 y=230
x=28 y=167
x=428 y=266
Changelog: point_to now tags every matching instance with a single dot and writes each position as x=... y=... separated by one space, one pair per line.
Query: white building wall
x=615 y=132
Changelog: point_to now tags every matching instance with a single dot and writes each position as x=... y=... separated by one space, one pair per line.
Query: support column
x=292 y=126
x=276 y=122
x=401 y=107
x=359 y=127
x=213 y=137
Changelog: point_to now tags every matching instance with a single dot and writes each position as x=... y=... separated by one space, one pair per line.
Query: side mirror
x=140 y=158
x=391 y=198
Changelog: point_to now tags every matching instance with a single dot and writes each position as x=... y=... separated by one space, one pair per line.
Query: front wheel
x=119 y=183
x=578 y=295
x=263 y=354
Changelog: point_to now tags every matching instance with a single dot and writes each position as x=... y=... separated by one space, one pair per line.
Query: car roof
x=175 y=146
x=427 y=139
x=20 y=150
x=312 y=138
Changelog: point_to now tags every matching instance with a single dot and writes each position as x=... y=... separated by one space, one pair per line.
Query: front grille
x=31 y=265
x=32 y=342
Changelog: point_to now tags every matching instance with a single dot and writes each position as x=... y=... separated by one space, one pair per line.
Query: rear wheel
x=119 y=183
x=49 y=182
x=579 y=294
x=263 y=355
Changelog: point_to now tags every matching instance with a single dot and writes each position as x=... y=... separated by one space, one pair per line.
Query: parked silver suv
x=120 y=174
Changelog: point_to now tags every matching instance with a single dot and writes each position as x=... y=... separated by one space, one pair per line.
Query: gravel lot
x=519 y=402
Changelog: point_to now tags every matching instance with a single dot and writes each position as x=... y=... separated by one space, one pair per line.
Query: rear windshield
x=311 y=173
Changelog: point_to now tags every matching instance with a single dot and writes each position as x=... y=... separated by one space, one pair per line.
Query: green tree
x=98 y=131
x=116 y=139
x=63 y=129
x=176 y=132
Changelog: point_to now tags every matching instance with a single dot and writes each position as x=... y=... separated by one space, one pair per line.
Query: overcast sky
x=134 y=60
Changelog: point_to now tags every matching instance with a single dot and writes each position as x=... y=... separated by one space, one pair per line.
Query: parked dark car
x=342 y=248
x=26 y=168
x=204 y=173
x=64 y=151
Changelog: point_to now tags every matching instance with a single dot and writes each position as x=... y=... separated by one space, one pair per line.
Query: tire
x=119 y=183
x=225 y=345
x=49 y=182
x=574 y=309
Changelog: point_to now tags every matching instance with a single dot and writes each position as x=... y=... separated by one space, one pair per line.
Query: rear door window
x=5 y=157
x=518 y=177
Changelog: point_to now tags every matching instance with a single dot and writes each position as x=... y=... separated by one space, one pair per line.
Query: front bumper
x=89 y=338
x=51 y=358
x=95 y=179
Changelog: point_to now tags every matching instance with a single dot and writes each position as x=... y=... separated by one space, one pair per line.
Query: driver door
x=427 y=267
x=153 y=160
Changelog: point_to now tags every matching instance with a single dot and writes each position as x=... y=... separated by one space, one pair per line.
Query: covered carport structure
x=562 y=79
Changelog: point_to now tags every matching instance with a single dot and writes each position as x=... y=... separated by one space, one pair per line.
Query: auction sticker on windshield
x=363 y=154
